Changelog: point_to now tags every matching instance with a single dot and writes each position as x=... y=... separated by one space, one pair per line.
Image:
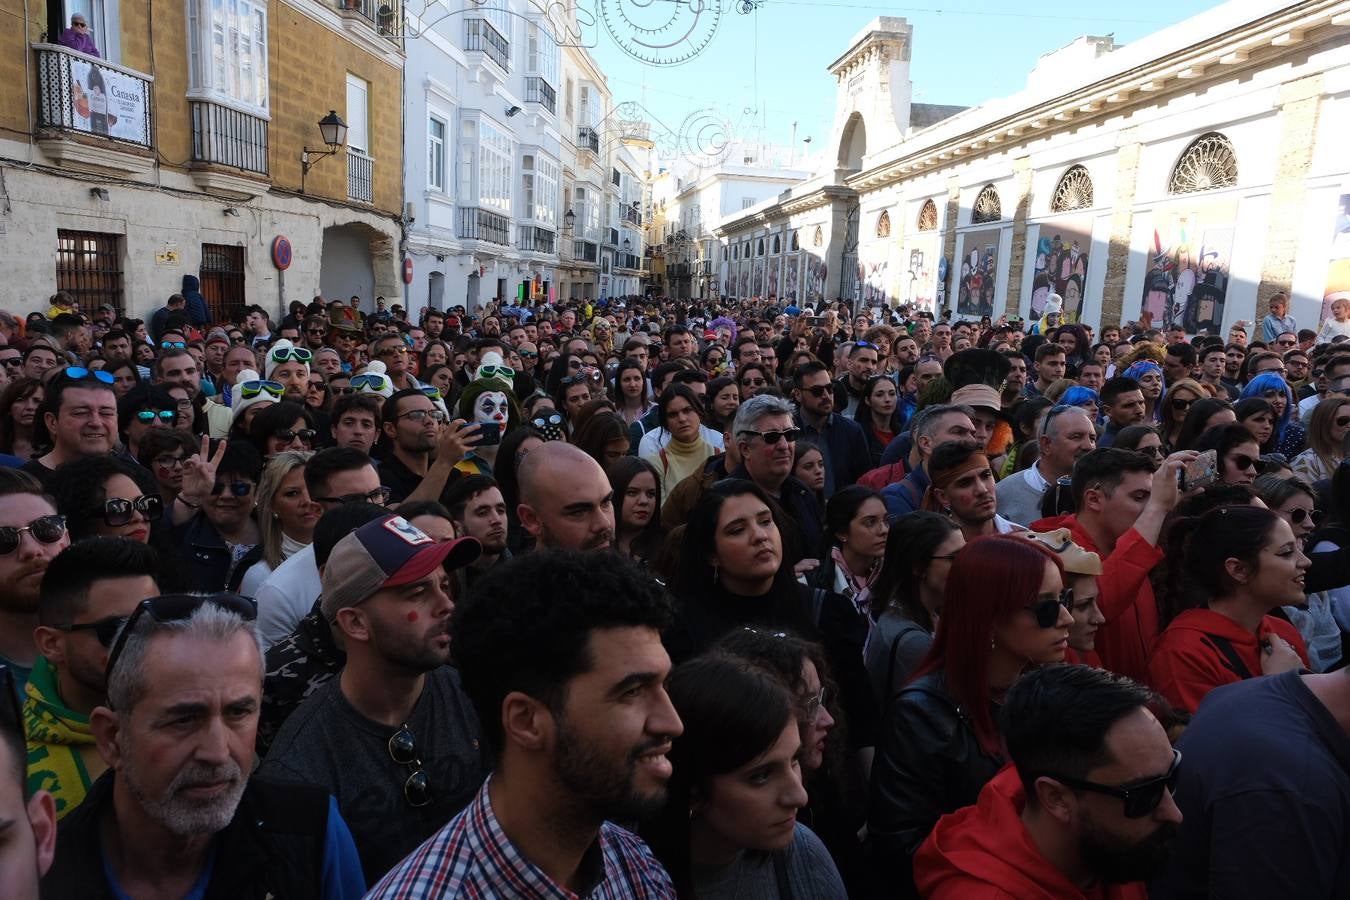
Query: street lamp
x=569 y=219
x=627 y=245
x=334 y=133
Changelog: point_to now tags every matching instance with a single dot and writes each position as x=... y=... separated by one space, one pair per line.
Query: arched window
x=884 y=224
x=988 y=207
x=928 y=216
x=724 y=253
x=796 y=241
x=1074 y=190
x=736 y=252
x=1208 y=164
x=777 y=245
x=759 y=247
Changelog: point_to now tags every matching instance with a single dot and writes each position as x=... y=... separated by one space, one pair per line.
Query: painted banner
x=919 y=281
x=978 y=274
x=1338 y=274
x=775 y=267
x=792 y=273
x=1187 y=280
x=757 y=279
x=816 y=271
x=743 y=286
x=1061 y=265
x=107 y=102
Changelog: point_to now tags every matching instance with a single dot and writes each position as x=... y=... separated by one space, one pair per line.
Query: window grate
x=222 y=281
x=89 y=268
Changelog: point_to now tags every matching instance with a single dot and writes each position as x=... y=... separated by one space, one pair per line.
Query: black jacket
x=803 y=508
x=928 y=763
x=273 y=847
x=208 y=558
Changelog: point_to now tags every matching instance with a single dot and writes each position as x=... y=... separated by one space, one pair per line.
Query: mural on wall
x=874 y=279
x=757 y=279
x=816 y=271
x=743 y=287
x=1061 y=265
x=1338 y=274
x=775 y=267
x=792 y=271
x=1187 y=279
x=978 y=274
x=919 y=280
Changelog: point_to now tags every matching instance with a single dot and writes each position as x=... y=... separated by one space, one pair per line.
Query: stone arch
x=988 y=206
x=357 y=258
x=884 y=224
x=1074 y=190
x=853 y=143
x=928 y=216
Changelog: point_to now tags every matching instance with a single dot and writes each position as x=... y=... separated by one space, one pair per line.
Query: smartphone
x=815 y=321
x=1200 y=472
x=489 y=433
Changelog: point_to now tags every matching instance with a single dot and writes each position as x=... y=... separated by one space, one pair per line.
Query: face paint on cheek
x=412 y=616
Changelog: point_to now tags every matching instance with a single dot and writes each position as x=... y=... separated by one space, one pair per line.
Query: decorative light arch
x=988 y=207
x=928 y=216
x=1074 y=190
x=1209 y=163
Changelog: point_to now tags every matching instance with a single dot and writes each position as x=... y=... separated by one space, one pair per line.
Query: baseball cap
x=218 y=335
x=382 y=553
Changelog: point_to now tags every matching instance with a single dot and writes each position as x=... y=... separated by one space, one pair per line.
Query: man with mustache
x=178 y=814
x=393 y=738
x=1086 y=810
x=561 y=654
x=31 y=535
x=566 y=502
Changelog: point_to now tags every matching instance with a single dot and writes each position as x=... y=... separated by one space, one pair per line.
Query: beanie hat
x=278 y=350
x=250 y=390
x=373 y=381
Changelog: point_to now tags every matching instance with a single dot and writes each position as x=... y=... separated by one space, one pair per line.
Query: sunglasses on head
x=373 y=381
x=149 y=415
x=503 y=372
x=80 y=373
x=433 y=392
x=773 y=437
x=44 y=529
x=299 y=354
x=250 y=389
x=1046 y=609
x=237 y=488
x=120 y=511
x=176 y=608
x=1140 y=798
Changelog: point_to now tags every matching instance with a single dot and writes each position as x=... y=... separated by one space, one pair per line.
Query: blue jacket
x=197 y=312
x=906 y=495
x=842 y=442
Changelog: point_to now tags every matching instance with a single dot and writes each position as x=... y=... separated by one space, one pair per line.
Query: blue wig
x=1269 y=381
x=1079 y=396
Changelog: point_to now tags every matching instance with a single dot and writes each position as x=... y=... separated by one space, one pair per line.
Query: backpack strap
x=1232 y=661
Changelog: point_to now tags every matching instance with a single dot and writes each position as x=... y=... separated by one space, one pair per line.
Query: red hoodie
x=1125 y=598
x=1187 y=664
x=983 y=852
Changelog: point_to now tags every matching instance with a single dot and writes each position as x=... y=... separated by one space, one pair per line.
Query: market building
x=191 y=145
x=1186 y=178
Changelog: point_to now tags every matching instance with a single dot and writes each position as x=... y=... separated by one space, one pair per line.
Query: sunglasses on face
x=173 y=345
x=1046 y=609
x=149 y=415
x=237 y=488
x=753 y=382
x=12 y=361
x=44 y=529
x=105 y=630
x=119 y=511
x=1298 y=515
x=378 y=496
x=374 y=382
x=169 y=462
x=1342 y=421
x=403 y=750
x=393 y=350
x=527 y=354
x=176 y=608
x=1140 y=798
x=80 y=373
x=250 y=389
x=299 y=354
x=1243 y=462
x=819 y=390
x=287 y=435
x=773 y=437
x=1181 y=404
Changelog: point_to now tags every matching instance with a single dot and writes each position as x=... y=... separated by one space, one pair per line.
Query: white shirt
x=287 y=596
x=658 y=437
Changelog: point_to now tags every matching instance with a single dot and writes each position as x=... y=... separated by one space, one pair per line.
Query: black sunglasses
x=119 y=511
x=773 y=437
x=1141 y=798
x=287 y=435
x=403 y=750
x=819 y=390
x=238 y=488
x=44 y=529
x=379 y=497
x=1046 y=609
x=104 y=629
x=176 y=608
x=1299 y=514
x=1242 y=462
x=1181 y=403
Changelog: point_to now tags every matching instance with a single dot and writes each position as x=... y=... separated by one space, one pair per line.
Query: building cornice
x=821 y=196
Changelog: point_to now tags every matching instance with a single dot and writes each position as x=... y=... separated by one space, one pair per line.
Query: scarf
x=857 y=588
x=62 y=756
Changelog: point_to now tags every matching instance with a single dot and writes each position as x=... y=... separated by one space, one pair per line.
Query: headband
x=977 y=460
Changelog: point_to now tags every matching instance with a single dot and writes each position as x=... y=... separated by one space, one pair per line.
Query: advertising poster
x=1061 y=265
x=792 y=272
x=978 y=274
x=918 y=282
x=816 y=270
x=1190 y=261
x=107 y=102
x=1338 y=274
x=775 y=267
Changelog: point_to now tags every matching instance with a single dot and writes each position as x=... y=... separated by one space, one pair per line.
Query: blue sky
x=762 y=71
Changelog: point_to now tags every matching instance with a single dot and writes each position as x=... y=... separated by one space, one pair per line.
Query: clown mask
x=492 y=406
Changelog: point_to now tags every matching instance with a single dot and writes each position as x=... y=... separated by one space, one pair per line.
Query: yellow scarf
x=62 y=756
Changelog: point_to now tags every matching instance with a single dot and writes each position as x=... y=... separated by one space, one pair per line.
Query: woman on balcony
x=79 y=37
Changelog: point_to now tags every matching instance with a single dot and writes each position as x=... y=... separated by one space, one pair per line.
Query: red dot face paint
x=412 y=616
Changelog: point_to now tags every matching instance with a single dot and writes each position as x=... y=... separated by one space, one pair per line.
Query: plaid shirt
x=472 y=857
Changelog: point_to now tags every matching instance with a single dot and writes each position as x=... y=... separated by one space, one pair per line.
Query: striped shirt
x=471 y=857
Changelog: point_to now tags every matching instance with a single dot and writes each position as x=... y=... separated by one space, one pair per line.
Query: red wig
x=992 y=579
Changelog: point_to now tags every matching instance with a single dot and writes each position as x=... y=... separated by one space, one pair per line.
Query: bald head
x=565 y=499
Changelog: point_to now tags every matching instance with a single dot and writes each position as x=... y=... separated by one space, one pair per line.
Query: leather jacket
x=928 y=763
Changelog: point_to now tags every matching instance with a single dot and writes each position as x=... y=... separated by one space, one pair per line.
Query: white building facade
x=1184 y=178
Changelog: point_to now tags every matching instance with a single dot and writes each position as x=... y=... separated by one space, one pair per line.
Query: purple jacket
x=76 y=41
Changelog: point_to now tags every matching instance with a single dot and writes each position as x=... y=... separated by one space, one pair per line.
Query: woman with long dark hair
x=878 y=415
x=1239 y=457
x=856 y=525
x=723 y=398
x=1180 y=397
x=19 y=402
x=1257 y=416
x=630 y=390
x=1291 y=436
x=729 y=825
x=1005 y=610
x=1327 y=427
x=1204 y=414
x=1244 y=560
x=637 y=508
x=680 y=415
x=907 y=597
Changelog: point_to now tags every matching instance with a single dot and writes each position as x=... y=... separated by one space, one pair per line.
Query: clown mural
x=488 y=403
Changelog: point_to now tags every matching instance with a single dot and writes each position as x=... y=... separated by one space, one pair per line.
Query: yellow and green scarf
x=62 y=756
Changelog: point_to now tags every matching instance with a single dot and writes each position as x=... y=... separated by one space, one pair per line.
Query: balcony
x=588 y=139
x=481 y=37
x=632 y=215
x=384 y=16
x=628 y=261
x=533 y=239
x=679 y=270
x=477 y=224
x=537 y=90
x=229 y=150
x=585 y=251
x=360 y=176
x=611 y=237
x=93 y=114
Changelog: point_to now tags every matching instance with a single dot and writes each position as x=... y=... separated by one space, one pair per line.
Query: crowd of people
x=659 y=598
